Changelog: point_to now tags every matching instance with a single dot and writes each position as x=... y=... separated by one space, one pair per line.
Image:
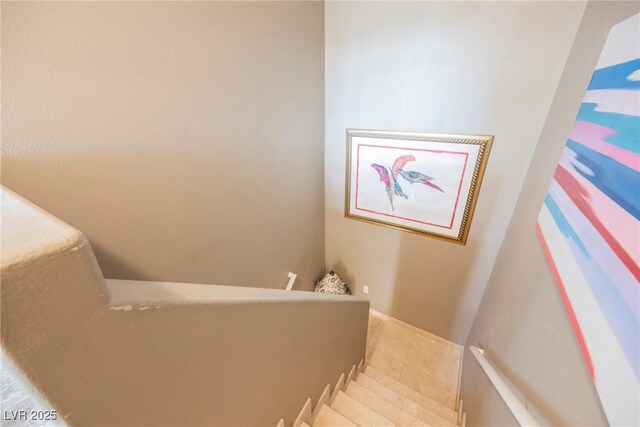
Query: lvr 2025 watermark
x=45 y=415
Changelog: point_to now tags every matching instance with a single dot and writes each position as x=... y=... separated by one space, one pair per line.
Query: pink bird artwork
x=400 y=162
x=384 y=177
x=412 y=177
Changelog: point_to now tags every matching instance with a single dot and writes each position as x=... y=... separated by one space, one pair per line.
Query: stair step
x=408 y=420
x=425 y=415
x=327 y=417
x=357 y=412
x=404 y=404
x=431 y=405
x=386 y=380
x=305 y=425
x=374 y=386
x=373 y=401
x=416 y=397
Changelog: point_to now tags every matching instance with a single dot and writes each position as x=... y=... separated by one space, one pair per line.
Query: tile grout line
x=404 y=363
x=404 y=389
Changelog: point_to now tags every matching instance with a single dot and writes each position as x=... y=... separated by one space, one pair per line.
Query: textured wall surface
x=116 y=353
x=450 y=67
x=522 y=322
x=184 y=138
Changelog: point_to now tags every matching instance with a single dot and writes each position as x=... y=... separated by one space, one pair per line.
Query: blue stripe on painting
x=564 y=226
x=616 y=76
x=620 y=183
x=599 y=273
x=599 y=250
x=626 y=128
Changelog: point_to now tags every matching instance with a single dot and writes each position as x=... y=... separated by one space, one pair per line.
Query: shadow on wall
x=110 y=261
x=428 y=288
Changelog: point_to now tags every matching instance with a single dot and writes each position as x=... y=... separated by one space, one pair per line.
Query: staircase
x=370 y=397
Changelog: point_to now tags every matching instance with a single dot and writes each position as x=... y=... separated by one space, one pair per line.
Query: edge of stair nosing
x=351 y=376
x=304 y=414
x=340 y=385
x=324 y=398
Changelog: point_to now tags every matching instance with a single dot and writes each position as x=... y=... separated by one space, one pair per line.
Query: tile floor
x=422 y=362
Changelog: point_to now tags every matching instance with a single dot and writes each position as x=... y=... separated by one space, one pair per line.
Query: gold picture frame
x=424 y=183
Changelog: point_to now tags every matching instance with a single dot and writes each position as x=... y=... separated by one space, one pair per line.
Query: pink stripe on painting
x=593 y=136
x=619 y=101
x=565 y=298
x=620 y=223
x=581 y=198
x=599 y=251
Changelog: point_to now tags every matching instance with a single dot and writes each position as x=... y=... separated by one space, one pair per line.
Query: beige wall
x=451 y=67
x=184 y=138
x=126 y=353
x=522 y=322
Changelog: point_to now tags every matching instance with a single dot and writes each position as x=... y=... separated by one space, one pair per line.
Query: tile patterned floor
x=423 y=362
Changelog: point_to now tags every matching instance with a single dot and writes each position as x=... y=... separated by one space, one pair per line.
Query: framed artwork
x=418 y=182
x=589 y=225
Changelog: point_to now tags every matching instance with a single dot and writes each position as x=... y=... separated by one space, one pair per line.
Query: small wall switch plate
x=365 y=289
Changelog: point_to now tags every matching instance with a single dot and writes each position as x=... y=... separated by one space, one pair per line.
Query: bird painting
x=390 y=180
x=400 y=162
x=397 y=190
x=384 y=177
x=414 y=177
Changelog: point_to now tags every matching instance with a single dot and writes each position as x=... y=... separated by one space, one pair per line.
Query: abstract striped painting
x=589 y=225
